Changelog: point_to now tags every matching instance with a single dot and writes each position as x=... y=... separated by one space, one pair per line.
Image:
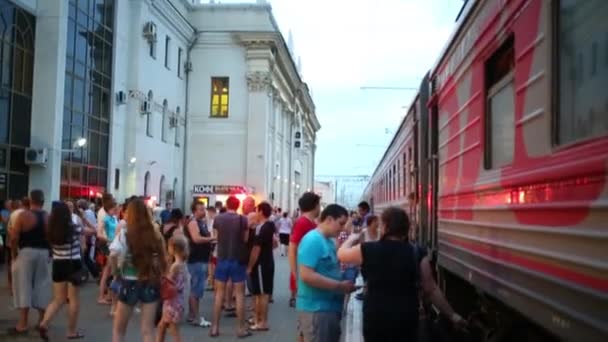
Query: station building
x=171 y=99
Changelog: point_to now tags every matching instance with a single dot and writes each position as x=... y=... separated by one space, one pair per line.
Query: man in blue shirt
x=320 y=286
x=165 y=214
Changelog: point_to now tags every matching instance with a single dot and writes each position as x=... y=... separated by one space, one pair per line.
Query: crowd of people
x=160 y=264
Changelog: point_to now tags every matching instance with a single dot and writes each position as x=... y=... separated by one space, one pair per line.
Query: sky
x=348 y=44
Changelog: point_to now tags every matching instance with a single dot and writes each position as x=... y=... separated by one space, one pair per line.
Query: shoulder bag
x=81 y=275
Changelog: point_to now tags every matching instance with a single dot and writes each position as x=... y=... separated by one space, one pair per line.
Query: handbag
x=80 y=276
x=168 y=290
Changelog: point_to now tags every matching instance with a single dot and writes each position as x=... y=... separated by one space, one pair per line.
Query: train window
x=500 y=114
x=404 y=174
x=582 y=109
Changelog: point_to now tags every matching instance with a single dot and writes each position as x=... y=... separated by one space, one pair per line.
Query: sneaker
x=204 y=323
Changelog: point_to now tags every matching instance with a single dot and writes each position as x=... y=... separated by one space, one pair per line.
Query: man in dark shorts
x=309 y=205
x=232 y=234
x=261 y=266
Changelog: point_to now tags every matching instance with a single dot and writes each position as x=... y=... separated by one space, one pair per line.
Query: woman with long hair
x=66 y=240
x=138 y=254
x=390 y=305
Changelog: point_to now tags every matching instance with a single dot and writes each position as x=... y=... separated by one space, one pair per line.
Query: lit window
x=500 y=115
x=581 y=112
x=219 y=97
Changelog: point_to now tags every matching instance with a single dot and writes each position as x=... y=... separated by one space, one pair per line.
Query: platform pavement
x=96 y=324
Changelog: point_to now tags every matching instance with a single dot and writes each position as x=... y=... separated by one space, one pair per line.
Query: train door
x=433 y=172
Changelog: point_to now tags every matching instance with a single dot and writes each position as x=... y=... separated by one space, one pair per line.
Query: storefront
x=210 y=194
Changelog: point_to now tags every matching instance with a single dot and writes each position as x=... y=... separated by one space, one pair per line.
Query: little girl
x=173 y=309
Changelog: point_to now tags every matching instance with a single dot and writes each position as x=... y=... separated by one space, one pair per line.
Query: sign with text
x=218 y=189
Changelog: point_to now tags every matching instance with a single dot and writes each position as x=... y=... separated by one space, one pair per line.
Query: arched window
x=178 y=133
x=147 y=183
x=149 y=117
x=165 y=120
x=161 y=193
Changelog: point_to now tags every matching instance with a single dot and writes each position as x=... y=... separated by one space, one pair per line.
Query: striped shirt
x=69 y=251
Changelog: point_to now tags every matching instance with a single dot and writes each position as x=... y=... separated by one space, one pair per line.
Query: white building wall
x=216 y=145
x=137 y=73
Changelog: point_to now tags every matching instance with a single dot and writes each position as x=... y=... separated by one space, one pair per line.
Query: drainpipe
x=187 y=113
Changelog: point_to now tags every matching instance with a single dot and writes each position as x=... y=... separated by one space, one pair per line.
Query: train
x=502 y=164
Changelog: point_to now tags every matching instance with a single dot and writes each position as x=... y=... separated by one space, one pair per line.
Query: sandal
x=78 y=336
x=245 y=335
x=14 y=332
x=256 y=328
x=43 y=332
x=292 y=302
x=214 y=334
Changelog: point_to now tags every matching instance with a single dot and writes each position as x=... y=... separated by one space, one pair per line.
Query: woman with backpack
x=139 y=256
x=390 y=306
x=174 y=225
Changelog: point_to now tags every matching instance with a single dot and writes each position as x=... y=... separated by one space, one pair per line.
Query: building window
x=149 y=117
x=500 y=116
x=116 y=179
x=17 y=41
x=153 y=49
x=179 y=62
x=167 y=49
x=161 y=193
x=178 y=133
x=174 y=194
x=582 y=112
x=147 y=183
x=164 y=132
x=87 y=98
x=219 y=97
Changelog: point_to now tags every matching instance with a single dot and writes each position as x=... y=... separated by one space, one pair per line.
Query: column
x=258 y=111
x=48 y=90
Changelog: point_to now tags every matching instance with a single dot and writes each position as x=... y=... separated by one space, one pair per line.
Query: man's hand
x=346 y=286
x=458 y=321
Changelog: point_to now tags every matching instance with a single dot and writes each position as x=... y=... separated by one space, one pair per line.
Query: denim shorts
x=135 y=291
x=198 y=278
x=230 y=270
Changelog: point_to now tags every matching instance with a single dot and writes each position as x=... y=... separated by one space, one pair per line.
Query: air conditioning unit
x=150 y=31
x=121 y=97
x=36 y=156
x=187 y=66
x=146 y=107
x=173 y=121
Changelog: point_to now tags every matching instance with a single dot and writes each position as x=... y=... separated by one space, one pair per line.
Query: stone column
x=48 y=90
x=256 y=150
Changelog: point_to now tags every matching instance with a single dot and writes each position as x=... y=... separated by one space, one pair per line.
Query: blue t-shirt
x=164 y=216
x=110 y=224
x=319 y=253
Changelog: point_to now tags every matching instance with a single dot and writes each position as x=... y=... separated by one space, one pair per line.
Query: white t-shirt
x=101 y=215
x=284 y=225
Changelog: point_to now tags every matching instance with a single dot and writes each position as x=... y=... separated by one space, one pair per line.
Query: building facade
x=128 y=97
x=252 y=121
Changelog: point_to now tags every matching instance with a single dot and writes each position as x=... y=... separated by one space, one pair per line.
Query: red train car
x=511 y=162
